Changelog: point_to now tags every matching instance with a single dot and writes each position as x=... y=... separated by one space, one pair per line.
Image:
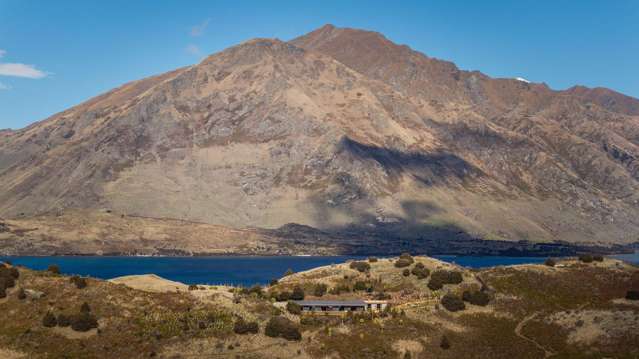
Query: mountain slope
x=345 y=131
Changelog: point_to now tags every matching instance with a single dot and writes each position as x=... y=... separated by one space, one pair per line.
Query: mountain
x=344 y=131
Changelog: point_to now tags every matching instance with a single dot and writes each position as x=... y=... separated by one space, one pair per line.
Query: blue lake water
x=235 y=270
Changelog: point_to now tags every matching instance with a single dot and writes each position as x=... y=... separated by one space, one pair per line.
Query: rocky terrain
x=339 y=131
x=587 y=308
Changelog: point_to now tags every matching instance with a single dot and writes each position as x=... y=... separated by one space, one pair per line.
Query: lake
x=235 y=270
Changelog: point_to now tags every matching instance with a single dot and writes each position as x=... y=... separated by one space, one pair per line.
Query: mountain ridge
x=317 y=132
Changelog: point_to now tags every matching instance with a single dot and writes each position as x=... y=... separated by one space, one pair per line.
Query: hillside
x=572 y=310
x=343 y=131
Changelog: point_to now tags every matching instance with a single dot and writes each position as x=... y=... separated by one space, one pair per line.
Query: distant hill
x=344 y=131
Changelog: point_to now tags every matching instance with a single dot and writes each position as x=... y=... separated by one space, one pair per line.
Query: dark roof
x=331 y=303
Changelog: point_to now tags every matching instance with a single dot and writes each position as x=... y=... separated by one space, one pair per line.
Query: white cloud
x=2 y=53
x=193 y=50
x=21 y=70
x=4 y=87
x=198 y=29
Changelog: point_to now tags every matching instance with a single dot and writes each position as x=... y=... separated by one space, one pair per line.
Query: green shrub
x=79 y=282
x=435 y=284
x=320 y=289
x=283 y=328
x=85 y=308
x=360 y=285
x=298 y=293
x=243 y=327
x=49 y=320
x=420 y=272
x=294 y=308
x=401 y=263
x=476 y=298
x=63 y=320
x=452 y=303
x=7 y=282
x=447 y=277
x=406 y=272
x=372 y=259
x=83 y=322
x=283 y=296
x=54 y=268
x=444 y=344
x=550 y=262
x=632 y=295
x=586 y=258
x=360 y=266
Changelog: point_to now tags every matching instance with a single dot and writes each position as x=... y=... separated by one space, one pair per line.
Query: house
x=342 y=305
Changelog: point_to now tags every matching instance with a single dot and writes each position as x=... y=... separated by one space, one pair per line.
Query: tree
x=406 y=272
x=435 y=284
x=320 y=289
x=476 y=298
x=49 y=320
x=283 y=296
x=54 y=268
x=550 y=262
x=586 y=258
x=298 y=293
x=452 y=303
x=372 y=259
x=85 y=308
x=294 y=308
x=83 y=322
x=283 y=328
x=360 y=266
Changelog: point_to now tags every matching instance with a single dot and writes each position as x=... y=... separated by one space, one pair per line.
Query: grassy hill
x=574 y=309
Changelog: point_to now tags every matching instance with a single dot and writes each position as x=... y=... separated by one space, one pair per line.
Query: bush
x=598 y=258
x=550 y=262
x=293 y=308
x=256 y=289
x=420 y=271
x=435 y=284
x=586 y=258
x=406 y=272
x=360 y=266
x=193 y=287
x=283 y=296
x=444 y=344
x=53 y=268
x=447 y=277
x=273 y=282
x=85 y=308
x=14 y=273
x=79 y=282
x=360 y=285
x=452 y=303
x=632 y=295
x=402 y=262
x=476 y=298
x=243 y=327
x=21 y=294
x=7 y=282
x=83 y=322
x=372 y=259
x=283 y=328
x=320 y=289
x=49 y=320
x=298 y=293
x=64 y=320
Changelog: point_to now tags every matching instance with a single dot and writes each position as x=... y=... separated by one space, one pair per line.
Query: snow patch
x=522 y=79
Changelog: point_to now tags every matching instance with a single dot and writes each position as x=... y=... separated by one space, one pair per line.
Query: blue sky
x=56 y=54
